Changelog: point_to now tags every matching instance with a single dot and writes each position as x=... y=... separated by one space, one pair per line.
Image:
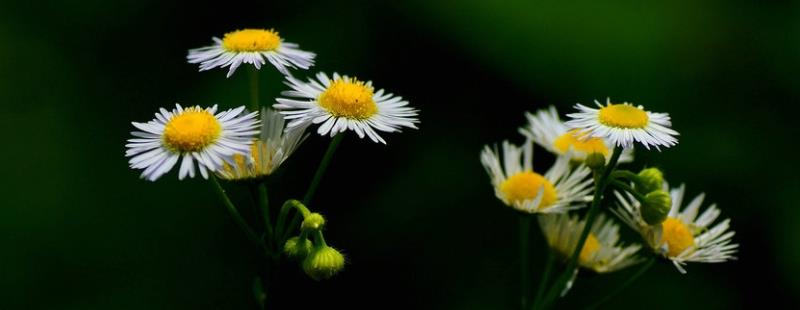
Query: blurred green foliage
x=417 y=218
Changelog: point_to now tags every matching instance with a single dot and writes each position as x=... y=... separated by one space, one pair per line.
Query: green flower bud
x=650 y=179
x=294 y=249
x=595 y=161
x=323 y=263
x=657 y=206
x=313 y=222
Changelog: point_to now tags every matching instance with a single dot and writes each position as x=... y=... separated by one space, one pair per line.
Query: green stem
x=312 y=188
x=627 y=174
x=319 y=239
x=323 y=166
x=551 y=258
x=256 y=203
x=238 y=217
x=259 y=193
x=629 y=189
x=619 y=289
x=524 y=256
x=594 y=209
x=287 y=206
x=254 y=105
x=264 y=202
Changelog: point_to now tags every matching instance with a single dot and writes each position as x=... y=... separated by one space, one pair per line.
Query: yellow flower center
x=251 y=40
x=349 y=98
x=623 y=116
x=191 y=131
x=577 y=142
x=677 y=236
x=589 y=248
x=256 y=168
x=525 y=186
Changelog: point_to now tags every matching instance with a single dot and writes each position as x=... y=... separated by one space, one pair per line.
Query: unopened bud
x=650 y=179
x=595 y=161
x=656 y=207
x=322 y=263
x=313 y=222
x=294 y=249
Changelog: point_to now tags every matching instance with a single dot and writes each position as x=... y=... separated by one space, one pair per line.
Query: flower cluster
x=587 y=149
x=238 y=146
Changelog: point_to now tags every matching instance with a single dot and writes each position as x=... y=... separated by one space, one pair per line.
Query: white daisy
x=193 y=134
x=251 y=46
x=267 y=152
x=683 y=237
x=547 y=130
x=622 y=123
x=344 y=103
x=518 y=186
x=601 y=252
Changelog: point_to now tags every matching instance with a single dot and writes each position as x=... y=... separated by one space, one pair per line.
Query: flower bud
x=313 y=222
x=650 y=179
x=656 y=207
x=595 y=161
x=294 y=249
x=322 y=263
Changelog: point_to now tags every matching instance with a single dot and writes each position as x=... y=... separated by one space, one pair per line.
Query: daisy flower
x=518 y=186
x=622 y=123
x=684 y=236
x=601 y=253
x=251 y=46
x=190 y=134
x=344 y=103
x=547 y=130
x=267 y=152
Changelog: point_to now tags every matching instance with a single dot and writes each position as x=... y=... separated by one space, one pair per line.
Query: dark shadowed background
x=417 y=218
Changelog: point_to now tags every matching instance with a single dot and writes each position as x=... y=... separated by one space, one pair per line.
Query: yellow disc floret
x=191 y=131
x=677 y=236
x=576 y=141
x=349 y=98
x=623 y=116
x=591 y=246
x=243 y=169
x=251 y=40
x=525 y=186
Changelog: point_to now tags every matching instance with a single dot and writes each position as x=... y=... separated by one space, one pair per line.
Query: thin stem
x=594 y=209
x=253 y=74
x=261 y=209
x=264 y=202
x=287 y=206
x=256 y=209
x=312 y=188
x=319 y=239
x=323 y=166
x=629 y=189
x=619 y=289
x=237 y=217
x=627 y=174
x=551 y=258
x=624 y=174
x=524 y=256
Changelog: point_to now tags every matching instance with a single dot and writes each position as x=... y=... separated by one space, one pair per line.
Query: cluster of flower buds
x=318 y=260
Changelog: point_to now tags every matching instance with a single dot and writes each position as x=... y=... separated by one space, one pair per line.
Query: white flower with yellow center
x=344 y=103
x=518 y=186
x=191 y=134
x=601 y=251
x=267 y=152
x=684 y=236
x=251 y=46
x=622 y=124
x=547 y=130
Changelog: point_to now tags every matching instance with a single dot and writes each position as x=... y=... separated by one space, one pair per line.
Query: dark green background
x=417 y=218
